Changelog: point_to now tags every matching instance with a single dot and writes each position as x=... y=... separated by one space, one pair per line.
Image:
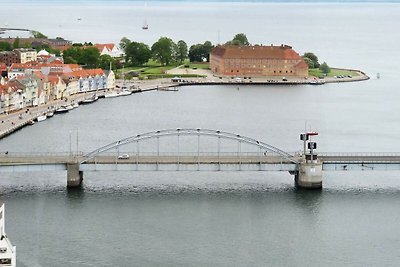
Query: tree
x=200 y=52
x=239 y=39
x=309 y=62
x=72 y=55
x=164 y=50
x=313 y=57
x=124 y=43
x=182 y=52
x=4 y=46
x=38 y=35
x=16 y=43
x=83 y=56
x=104 y=62
x=137 y=54
x=325 y=68
x=89 y=57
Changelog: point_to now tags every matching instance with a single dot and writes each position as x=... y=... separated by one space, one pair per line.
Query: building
x=257 y=61
x=109 y=49
x=8 y=58
x=26 y=55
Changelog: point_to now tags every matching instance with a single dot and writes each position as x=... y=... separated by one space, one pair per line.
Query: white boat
x=90 y=100
x=126 y=92
x=41 y=117
x=112 y=94
x=75 y=105
x=145 y=25
x=50 y=114
x=62 y=109
x=8 y=252
x=69 y=107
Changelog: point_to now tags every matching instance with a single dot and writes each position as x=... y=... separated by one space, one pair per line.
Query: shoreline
x=16 y=120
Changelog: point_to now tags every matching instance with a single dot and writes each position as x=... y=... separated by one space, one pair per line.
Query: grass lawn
x=196 y=65
x=334 y=72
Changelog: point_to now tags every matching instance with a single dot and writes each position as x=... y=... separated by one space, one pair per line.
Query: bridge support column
x=309 y=175
x=74 y=175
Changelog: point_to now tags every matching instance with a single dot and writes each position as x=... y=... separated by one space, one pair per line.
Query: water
x=227 y=218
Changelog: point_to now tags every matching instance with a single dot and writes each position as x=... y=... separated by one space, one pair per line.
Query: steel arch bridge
x=219 y=135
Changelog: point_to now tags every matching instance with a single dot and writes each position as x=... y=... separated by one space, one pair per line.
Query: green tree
x=104 y=62
x=16 y=43
x=89 y=57
x=239 y=39
x=137 y=54
x=164 y=50
x=38 y=35
x=207 y=47
x=182 y=51
x=124 y=43
x=72 y=55
x=4 y=46
x=309 y=62
x=313 y=57
x=325 y=68
x=200 y=52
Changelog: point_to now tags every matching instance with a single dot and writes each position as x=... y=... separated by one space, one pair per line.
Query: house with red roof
x=109 y=49
x=58 y=87
x=257 y=61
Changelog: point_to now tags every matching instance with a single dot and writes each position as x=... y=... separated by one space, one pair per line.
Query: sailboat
x=145 y=25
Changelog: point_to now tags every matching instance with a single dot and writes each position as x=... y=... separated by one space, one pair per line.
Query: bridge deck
x=44 y=161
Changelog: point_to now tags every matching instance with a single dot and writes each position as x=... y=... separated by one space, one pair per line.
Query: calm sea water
x=227 y=218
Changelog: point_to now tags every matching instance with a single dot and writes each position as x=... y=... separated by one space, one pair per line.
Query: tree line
x=164 y=51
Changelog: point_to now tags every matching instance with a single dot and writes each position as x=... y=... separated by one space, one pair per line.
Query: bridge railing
x=183 y=154
x=359 y=154
x=38 y=154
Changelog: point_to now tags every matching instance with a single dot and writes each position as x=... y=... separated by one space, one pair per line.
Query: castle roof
x=255 y=52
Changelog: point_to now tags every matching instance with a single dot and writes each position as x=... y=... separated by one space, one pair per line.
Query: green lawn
x=196 y=65
x=334 y=72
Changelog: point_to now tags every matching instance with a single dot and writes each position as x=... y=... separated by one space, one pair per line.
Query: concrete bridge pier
x=74 y=175
x=309 y=174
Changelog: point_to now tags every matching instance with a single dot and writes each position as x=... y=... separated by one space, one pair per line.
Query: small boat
x=75 y=105
x=50 y=114
x=126 y=92
x=90 y=100
x=69 y=107
x=316 y=82
x=31 y=122
x=145 y=25
x=62 y=109
x=112 y=94
x=41 y=118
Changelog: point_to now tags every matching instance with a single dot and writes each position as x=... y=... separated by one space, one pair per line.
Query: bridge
x=199 y=150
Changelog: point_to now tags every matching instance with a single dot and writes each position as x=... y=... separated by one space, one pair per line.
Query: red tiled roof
x=53 y=79
x=94 y=72
x=80 y=73
x=101 y=46
x=256 y=52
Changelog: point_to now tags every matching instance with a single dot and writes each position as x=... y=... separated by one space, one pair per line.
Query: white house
x=109 y=49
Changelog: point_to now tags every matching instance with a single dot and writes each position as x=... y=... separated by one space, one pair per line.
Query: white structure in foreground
x=8 y=252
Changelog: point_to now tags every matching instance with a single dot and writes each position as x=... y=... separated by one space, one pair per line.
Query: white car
x=123 y=156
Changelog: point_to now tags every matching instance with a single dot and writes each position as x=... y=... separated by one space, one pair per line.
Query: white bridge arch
x=191 y=132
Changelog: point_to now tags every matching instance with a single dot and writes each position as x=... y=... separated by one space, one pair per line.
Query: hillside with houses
x=30 y=78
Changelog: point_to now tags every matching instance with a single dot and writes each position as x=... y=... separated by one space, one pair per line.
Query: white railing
x=359 y=154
